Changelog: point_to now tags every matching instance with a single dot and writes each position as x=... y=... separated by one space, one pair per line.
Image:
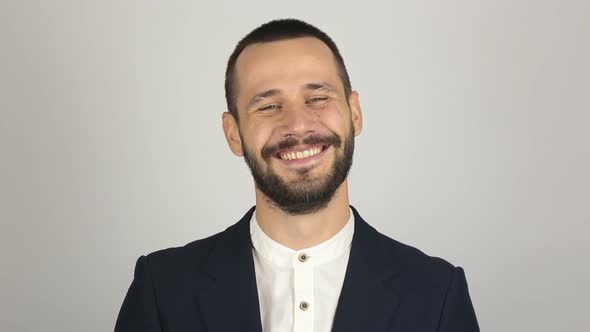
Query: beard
x=307 y=194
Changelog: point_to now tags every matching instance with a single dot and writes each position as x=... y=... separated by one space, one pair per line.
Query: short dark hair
x=277 y=30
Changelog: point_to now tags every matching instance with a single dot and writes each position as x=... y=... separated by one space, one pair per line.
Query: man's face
x=296 y=127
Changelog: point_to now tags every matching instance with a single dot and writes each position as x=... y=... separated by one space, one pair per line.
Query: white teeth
x=300 y=154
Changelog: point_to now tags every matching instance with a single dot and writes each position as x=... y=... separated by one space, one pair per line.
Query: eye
x=317 y=101
x=270 y=107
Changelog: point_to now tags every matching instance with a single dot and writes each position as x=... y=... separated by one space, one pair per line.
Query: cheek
x=256 y=138
x=337 y=119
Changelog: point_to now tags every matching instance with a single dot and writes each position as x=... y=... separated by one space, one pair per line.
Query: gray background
x=475 y=146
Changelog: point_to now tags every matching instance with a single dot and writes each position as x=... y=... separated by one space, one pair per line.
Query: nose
x=297 y=121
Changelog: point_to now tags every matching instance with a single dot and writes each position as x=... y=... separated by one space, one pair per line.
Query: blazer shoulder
x=175 y=260
x=176 y=265
x=415 y=263
x=431 y=286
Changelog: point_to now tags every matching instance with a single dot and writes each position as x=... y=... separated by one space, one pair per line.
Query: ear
x=356 y=113
x=232 y=133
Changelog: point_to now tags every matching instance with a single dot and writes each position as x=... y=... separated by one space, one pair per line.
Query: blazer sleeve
x=458 y=314
x=139 y=311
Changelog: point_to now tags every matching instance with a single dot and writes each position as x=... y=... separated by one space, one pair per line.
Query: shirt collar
x=281 y=255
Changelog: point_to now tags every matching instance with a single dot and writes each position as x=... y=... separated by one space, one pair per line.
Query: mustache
x=291 y=142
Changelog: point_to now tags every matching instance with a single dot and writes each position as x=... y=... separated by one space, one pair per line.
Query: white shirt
x=298 y=290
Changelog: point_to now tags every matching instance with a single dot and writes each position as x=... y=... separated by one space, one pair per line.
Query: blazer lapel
x=229 y=302
x=369 y=299
x=227 y=297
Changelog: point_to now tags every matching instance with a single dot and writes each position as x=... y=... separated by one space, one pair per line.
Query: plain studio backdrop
x=476 y=145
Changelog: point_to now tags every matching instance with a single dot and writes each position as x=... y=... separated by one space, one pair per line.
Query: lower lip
x=309 y=161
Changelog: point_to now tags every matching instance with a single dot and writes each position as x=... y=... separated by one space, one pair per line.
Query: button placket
x=303 y=319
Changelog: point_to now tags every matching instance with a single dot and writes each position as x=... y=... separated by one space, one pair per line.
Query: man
x=303 y=259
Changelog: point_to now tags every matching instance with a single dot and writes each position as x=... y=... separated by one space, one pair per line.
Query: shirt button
x=303 y=258
x=303 y=305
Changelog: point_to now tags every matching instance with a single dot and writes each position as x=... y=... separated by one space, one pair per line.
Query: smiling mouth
x=295 y=154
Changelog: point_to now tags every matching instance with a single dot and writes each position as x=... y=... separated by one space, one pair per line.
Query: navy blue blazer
x=210 y=285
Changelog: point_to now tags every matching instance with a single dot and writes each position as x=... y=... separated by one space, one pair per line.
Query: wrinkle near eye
x=269 y=107
x=318 y=101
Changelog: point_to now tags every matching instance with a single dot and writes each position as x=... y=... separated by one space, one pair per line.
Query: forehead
x=284 y=64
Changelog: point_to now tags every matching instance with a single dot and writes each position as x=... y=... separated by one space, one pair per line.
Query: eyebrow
x=320 y=86
x=324 y=86
x=262 y=95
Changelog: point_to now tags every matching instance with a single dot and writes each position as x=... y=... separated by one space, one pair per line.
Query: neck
x=303 y=231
